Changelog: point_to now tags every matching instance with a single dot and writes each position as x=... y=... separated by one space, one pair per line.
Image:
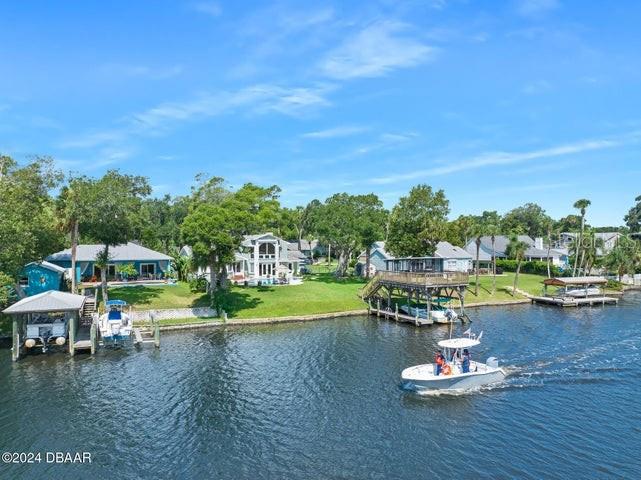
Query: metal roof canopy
x=49 y=301
x=570 y=281
x=459 y=343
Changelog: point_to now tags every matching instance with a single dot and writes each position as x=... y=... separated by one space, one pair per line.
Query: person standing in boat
x=465 y=364
x=439 y=359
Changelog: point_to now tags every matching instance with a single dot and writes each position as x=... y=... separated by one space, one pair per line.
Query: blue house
x=149 y=264
x=38 y=277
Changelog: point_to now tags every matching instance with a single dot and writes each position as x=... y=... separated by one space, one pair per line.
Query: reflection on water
x=323 y=400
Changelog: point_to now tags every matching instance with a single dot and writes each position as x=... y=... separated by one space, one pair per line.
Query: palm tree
x=581 y=205
x=516 y=251
x=591 y=252
x=549 y=232
x=70 y=206
x=624 y=257
x=479 y=231
x=493 y=230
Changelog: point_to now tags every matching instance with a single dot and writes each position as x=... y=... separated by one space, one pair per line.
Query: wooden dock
x=399 y=316
x=575 y=302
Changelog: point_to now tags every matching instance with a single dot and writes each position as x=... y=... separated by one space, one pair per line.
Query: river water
x=323 y=400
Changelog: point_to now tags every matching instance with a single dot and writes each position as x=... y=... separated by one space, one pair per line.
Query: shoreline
x=307 y=318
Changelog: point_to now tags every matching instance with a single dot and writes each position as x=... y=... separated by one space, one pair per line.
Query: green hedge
x=535 y=267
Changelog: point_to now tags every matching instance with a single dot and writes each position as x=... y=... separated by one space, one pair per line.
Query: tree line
x=43 y=211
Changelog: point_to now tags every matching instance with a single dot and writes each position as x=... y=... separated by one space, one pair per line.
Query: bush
x=198 y=284
x=614 y=285
x=534 y=267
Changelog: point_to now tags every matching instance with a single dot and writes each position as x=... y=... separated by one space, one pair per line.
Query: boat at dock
x=452 y=376
x=438 y=313
x=116 y=328
x=577 y=292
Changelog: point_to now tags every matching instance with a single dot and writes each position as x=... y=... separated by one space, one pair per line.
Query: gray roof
x=249 y=240
x=50 y=301
x=447 y=250
x=483 y=255
x=47 y=265
x=500 y=246
x=120 y=253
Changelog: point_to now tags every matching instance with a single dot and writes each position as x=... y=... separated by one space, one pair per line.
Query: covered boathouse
x=48 y=319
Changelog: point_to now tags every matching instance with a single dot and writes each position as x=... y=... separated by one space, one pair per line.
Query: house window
x=267 y=250
x=111 y=271
x=147 y=269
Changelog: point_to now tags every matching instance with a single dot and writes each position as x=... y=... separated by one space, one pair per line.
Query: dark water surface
x=322 y=400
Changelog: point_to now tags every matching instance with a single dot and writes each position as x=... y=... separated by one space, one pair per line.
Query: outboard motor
x=492 y=362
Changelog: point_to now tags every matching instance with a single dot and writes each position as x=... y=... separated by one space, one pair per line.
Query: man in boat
x=465 y=364
x=439 y=359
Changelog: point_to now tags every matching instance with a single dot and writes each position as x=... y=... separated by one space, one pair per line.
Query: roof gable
x=49 y=301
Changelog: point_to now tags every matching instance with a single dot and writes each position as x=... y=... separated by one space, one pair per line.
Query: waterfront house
x=609 y=239
x=536 y=251
x=149 y=264
x=261 y=256
x=447 y=257
x=38 y=277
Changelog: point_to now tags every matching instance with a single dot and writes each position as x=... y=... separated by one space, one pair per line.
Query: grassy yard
x=158 y=297
x=527 y=282
x=319 y=293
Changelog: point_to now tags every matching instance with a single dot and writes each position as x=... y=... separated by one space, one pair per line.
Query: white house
x=260 y=257
x=610 y=239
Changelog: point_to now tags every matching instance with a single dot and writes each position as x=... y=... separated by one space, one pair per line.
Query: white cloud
x=209 y=8
x=535 y=8
x=375 y=51
x=257 y=99
x=336 y=132
x=508 y=158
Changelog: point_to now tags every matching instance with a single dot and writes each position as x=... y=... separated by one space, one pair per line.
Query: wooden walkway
x=83 y=338
x=400 y=317
x=575 y=302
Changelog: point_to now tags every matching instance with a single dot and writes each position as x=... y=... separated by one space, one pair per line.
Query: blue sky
x=498 y=103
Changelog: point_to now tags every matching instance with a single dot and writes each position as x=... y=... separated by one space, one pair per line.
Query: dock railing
x=425 y=278
x=418 y=279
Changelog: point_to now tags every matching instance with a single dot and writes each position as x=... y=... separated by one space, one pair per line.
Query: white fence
x=171 y=313
x=628 y=279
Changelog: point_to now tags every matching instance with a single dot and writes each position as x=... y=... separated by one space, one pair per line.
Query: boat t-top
x=115 y=326
x=457 y=372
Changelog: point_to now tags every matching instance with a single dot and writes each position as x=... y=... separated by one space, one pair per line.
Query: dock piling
x=93 y=337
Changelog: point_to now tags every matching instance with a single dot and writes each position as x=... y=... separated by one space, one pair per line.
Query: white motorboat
x=437 y=314
x=116 y=328
x=452 y=375
x=578 y=292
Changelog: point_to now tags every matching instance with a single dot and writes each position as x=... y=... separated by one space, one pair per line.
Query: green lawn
x=527 y=282
x=158 y=297
x=319 y=293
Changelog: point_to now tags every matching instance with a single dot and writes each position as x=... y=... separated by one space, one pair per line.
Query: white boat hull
x=422 y=377
x=582 y=292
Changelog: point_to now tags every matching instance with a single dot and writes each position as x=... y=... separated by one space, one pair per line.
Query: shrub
x=198 y=284
x=614 y=285
x=535 y=267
